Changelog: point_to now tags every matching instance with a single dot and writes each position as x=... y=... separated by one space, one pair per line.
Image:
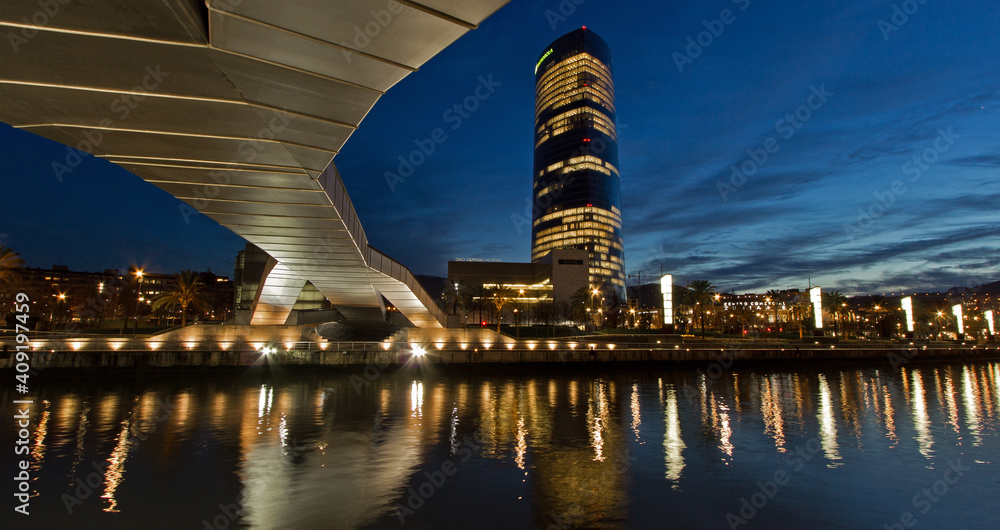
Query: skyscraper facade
x=577 y=186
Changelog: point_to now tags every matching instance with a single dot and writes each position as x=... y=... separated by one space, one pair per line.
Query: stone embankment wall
x=131 y=362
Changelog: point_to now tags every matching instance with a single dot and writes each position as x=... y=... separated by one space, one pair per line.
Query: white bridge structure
x=237 y=108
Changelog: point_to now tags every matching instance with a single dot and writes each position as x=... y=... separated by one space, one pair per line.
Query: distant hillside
x=992 y=289
x=431 y=284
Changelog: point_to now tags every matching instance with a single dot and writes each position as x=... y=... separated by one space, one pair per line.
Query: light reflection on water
x=921 y=421
x=827 y=422
x=673 y=443
x=564 y=450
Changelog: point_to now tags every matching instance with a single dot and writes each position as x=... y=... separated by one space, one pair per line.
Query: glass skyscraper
x=577 y=187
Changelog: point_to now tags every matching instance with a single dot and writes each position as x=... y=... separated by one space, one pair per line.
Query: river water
x=770 y=446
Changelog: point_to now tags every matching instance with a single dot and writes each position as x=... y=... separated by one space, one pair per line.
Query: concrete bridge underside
x=237 y=108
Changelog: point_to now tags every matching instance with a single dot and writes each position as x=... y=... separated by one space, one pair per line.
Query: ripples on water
x=640 y=447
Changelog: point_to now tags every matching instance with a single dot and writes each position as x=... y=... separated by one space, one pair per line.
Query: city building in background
x=60 y=296
x=553 y=279
x=216 y=293
x=576 y=182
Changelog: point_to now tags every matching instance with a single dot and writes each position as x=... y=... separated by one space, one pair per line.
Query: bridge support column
x=276 y=296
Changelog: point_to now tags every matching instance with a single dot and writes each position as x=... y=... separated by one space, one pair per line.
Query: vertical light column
x=667 y=289
x=816 y=297
x=957 y=311
x=908 y=307
x=989 y=321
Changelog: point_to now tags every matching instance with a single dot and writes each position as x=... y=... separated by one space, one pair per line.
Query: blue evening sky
x=840 y=199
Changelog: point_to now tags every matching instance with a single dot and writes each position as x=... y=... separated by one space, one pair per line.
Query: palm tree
x=776 y=298
x=836 y=304
x=186 y=291
x=453 y=293
x=9 y=260
x=701 y=292
x=801 y=309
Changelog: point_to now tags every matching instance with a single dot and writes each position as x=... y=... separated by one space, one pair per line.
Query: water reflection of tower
x=581 y=468
x=566 y=436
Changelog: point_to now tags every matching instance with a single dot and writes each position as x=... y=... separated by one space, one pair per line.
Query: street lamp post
x=638 y=295
x=61 y=306
x=517 y=316
x=593 y=304
x=138 y=299
x=715 y=299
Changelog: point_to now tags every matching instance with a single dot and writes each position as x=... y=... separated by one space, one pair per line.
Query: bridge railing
x=376 y=260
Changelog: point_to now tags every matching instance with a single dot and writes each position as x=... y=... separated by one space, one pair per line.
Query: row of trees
x=698 y=299
x=878 y=317
x=119 y=301
x=883 y=317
